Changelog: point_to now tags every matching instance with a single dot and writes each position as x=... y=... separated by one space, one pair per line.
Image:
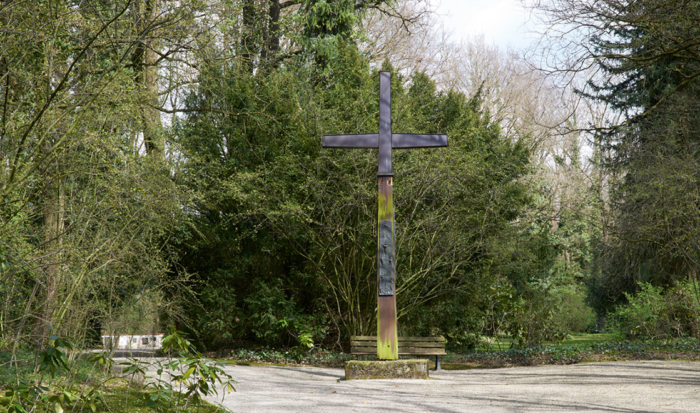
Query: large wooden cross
x=385 y=141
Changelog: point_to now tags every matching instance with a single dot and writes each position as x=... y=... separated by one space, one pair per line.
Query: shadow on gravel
x=314 y=372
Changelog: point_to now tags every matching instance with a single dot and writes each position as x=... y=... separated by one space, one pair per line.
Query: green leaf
x=188 y=373
x=70 y=396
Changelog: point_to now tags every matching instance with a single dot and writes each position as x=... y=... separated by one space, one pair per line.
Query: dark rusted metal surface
x=385 y=140
x=411 y=140
x=370 y=140
x=385 y=258
x=385 y=123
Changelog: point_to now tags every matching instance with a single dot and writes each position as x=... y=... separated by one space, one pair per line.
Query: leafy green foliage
x=289 y=229
x=650 y=57
x=237 y=226
x=60 y=389
x=653 y=313
x=84 y=215
x=573 y=312
x=685 y=349
x=53 y=357
x=187 y=375
x=61 y=385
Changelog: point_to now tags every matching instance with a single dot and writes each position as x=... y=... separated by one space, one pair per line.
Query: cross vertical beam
x=385 y=124
x=387 y=331
x=385 y=140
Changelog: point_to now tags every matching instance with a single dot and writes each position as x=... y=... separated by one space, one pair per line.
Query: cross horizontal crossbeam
x=371 y=140
x=385 y=140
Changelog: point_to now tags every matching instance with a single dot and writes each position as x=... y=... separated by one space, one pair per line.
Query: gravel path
x=649 y=386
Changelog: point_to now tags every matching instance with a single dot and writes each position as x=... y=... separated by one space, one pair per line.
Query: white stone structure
x=133 y=341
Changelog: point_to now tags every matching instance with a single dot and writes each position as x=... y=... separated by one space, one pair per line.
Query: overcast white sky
x=503 y=22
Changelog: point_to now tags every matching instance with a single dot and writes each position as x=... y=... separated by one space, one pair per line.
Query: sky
x=502 y=22
x=505 y=23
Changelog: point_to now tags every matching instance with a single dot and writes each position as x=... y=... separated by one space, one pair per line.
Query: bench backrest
x=420 y=346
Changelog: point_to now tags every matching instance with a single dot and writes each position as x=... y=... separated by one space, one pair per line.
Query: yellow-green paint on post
x=387 y=331
x=386 y=207
x=385 y=349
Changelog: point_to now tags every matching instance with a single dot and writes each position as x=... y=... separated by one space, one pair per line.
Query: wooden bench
x=415 y=346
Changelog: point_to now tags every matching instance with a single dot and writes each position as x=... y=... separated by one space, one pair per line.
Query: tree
x=647 y=55
x=84 y=215
x=296 y=224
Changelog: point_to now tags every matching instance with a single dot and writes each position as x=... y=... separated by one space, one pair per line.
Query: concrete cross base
x=388 y=369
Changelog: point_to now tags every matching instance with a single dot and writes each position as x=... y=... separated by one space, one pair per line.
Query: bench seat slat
x=424 y=346
x=364 y=348
x=401 y=344
x=403 y=352
x=420 y=344
x=374 y=338
x=423 y=352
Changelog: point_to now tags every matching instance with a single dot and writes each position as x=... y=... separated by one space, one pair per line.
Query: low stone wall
x=137 y=378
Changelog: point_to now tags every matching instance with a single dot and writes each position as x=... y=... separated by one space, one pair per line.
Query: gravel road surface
x=649 y=386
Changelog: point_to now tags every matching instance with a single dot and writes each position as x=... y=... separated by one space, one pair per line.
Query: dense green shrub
x=684 y=309
x=655 y=313
x=533 y=323
x=284 y=252
x=645 y=314
x=276 y=320
x=573 y=313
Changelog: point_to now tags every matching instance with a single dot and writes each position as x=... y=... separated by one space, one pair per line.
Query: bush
x=532 y=320
x=277 y=320
x=573 y=313
x=684 y=310
x=61 y=379
x=652 y=313
x=645 y=314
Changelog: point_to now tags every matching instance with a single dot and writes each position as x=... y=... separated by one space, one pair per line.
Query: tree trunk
x=248 y=35
x=54 y=223
x=272 y=37
x=4 y=94
x=53 y=217
x=145 y=63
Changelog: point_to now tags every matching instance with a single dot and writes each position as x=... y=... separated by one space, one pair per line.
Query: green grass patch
x=502 y=343
x=582 y=338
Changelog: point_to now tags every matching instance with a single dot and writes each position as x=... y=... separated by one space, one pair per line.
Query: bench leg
x=437 y=362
